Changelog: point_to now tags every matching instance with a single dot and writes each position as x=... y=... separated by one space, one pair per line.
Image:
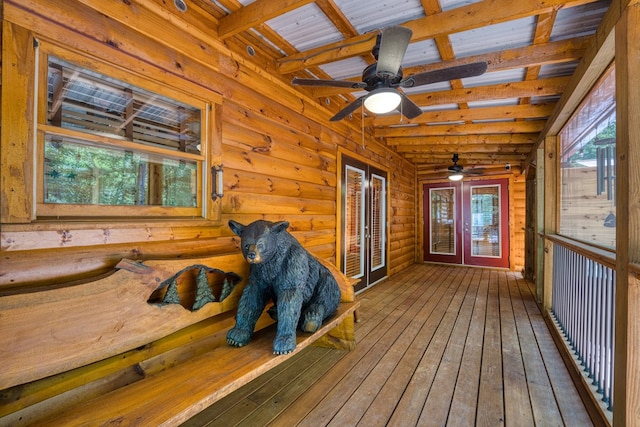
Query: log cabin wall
x=280 y=153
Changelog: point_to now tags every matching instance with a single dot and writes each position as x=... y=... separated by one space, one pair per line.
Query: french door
x=364 y=222
x=467 y=223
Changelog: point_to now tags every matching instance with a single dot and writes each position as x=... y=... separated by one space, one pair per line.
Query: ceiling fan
x=457 y=172
x=383 y=78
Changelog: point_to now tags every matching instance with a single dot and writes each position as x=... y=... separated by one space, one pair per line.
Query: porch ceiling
x=531 y=49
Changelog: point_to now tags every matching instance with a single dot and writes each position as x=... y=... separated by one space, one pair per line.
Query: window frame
x=188 y=94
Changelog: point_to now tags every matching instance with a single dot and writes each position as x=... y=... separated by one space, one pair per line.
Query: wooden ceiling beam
x=443 y=166
x=512 y=139
x=531 y=111
x=443 y=43
x=464 y=18
x=529 y=126
x=461 y=149
x=529 y=56
x=542 y=87
x=339 y=19
x=544 y=28
x=254 y=14
x=472 y=159
x=489 y=168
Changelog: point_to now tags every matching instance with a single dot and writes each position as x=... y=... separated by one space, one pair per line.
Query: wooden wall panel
x=279 y=154
x=518 y=224
x=16 y=201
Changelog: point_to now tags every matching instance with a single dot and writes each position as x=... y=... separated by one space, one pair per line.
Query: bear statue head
x=258 y=239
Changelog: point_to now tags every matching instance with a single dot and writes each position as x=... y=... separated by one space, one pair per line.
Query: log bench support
x=164 y=381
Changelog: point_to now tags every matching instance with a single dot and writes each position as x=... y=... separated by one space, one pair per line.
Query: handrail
x=602 y=256
x=583 y=305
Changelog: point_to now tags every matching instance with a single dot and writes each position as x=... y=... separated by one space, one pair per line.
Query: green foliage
x=588 y=151
x=77 y=173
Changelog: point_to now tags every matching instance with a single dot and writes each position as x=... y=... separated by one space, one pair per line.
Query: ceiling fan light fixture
x=382 y=100
x=455 y=177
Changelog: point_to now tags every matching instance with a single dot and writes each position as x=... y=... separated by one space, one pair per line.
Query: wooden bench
x=100 y=353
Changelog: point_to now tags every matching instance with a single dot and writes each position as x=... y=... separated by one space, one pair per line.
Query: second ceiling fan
x=383 y=78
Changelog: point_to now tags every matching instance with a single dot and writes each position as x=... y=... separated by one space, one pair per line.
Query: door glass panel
x=354 y=223
x=485 y=225
x=442 y=206
x=378 y=220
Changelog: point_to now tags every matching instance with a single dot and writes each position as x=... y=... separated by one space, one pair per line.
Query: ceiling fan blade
x=409 y=108
x=348 y=109
x=476 y=171
x=331 y=83
x=393 y=45
x=451 y=73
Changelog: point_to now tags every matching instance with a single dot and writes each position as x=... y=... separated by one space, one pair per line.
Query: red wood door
x=467 y=223
x=486 y=223
x=364 y=222
x=443 y=222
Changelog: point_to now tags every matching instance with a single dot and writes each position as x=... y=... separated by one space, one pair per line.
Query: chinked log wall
x=279 y=155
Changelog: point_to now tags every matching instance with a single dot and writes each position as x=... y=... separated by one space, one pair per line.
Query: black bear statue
x=304 y=291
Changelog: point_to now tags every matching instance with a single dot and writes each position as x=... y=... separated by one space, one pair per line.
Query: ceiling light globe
x=382 y=100
x=455 y=177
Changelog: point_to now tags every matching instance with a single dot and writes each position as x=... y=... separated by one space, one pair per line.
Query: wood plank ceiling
x=532 y=48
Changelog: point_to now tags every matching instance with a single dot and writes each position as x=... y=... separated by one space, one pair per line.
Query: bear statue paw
x=311 y=325
x=238 y=337
x=284 y=344
x=312 y=319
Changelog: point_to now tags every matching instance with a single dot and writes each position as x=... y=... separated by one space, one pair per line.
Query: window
x=116 y=146
x=588 y=170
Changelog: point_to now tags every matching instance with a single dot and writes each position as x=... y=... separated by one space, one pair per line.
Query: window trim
x=188 y=93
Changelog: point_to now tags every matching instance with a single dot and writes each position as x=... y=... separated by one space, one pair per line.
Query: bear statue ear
x=279 y=226
x=236 y=227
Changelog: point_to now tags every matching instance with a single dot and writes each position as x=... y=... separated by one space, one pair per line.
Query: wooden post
x=551 y=189
x=16 y=136
x=539 y=225
x=626 y=404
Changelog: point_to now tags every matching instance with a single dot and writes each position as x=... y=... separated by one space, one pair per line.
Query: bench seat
x=174 y=395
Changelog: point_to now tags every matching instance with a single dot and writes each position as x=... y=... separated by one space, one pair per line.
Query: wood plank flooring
x=436 y=345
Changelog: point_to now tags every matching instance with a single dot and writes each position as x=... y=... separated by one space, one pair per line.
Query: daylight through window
x=108 y=143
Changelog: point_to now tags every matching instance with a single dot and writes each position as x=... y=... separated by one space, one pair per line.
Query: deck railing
x=583 y=307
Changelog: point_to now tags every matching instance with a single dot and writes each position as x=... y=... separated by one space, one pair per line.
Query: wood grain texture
x=18 y=56
x=176 y=394
x=53 y=331
x=406 y=322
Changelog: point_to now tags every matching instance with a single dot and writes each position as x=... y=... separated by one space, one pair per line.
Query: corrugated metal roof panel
x=579 y=21
x=453 y=4
x=424 y=52
x=306 y=27
x=372 y=15
x=506 y=35
x=496 y=77
x=433 y=87
x=557 y=70
x=493 y=103
x=350 y=67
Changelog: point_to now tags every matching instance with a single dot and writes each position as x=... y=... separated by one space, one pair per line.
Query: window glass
x=588 y=168
x=87 y=101
x=443 y=219
x=79 y=173
x=106 y=144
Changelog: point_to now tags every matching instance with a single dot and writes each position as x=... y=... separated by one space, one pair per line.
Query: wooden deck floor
x=436 y=345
